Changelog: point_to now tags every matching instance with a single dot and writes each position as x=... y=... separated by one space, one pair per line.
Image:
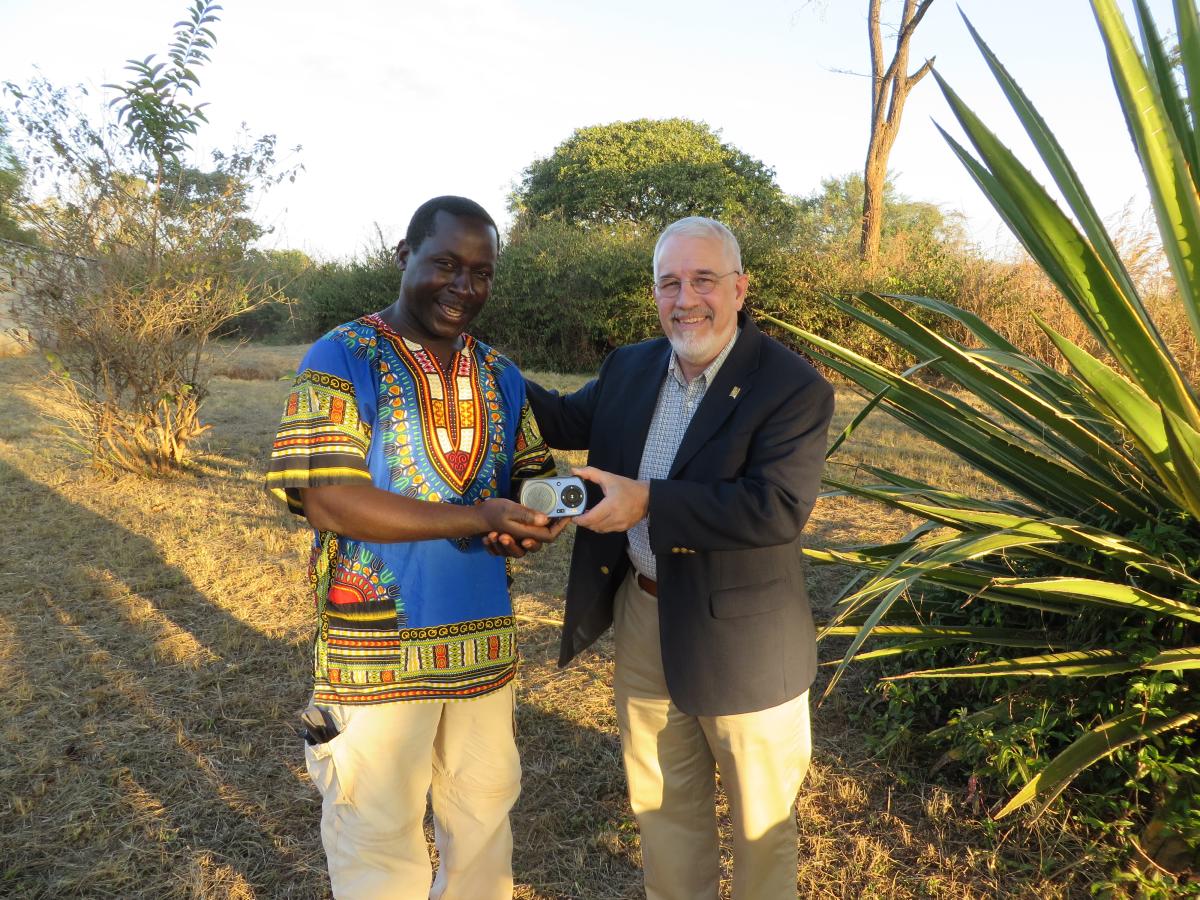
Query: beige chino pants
x=374 y=778
x=670 y=758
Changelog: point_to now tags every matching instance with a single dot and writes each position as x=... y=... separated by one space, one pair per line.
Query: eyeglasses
x=701 y=284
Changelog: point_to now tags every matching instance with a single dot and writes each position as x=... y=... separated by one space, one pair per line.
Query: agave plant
x=1098 y=519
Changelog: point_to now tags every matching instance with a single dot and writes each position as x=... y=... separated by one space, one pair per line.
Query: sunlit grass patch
x=154 y=649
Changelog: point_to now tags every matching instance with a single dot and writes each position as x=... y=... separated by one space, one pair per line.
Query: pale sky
x=397 y=102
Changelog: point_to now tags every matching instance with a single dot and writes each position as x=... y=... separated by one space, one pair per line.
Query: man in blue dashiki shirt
x=399 y=443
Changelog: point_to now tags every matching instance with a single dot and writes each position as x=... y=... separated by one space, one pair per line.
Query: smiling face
x=447 y=279
x=698 y=325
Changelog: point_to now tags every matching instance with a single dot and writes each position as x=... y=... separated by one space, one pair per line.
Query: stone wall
x=15 y=262
x=20 y=264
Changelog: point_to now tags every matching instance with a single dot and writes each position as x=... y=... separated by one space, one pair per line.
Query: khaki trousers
x=670 y=759
x=374 y=778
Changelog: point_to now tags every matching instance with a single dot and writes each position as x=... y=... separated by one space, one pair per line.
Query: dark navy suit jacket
x=735 y=626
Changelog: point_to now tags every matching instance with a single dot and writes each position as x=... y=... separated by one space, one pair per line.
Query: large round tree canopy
x=648 y=171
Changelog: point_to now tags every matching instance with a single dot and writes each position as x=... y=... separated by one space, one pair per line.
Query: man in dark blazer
x=708 y=445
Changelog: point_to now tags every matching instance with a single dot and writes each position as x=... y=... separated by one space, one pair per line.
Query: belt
x=650 y=587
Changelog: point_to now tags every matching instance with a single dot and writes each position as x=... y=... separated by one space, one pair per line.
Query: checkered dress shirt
x=677 y=403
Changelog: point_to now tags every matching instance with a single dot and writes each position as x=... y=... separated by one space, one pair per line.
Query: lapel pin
x=733 y=392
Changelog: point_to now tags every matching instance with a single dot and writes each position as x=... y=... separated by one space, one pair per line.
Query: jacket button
x=604 y=570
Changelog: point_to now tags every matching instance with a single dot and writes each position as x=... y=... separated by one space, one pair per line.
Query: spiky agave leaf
x=1088 y=457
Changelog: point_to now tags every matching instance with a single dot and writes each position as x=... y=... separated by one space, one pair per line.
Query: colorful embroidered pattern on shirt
x=321 y=439
x=531 y=456
x=420 y=620
x=443 y=432
x=363 y=592
x=448 y=662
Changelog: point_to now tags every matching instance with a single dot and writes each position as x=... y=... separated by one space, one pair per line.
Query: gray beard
x=696 y=351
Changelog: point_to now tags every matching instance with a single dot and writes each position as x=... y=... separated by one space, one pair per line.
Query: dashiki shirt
x=419 y=620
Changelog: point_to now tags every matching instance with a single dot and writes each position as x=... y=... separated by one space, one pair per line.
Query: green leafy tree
x=565 y=295
x=12 y=183
x=574 y=274
x=147 y=253
x=832 y=216
x=152 y=105
x=336 y=292
x=648 y=173
x=187 y=190
x=279 y=278
x=1071 y=602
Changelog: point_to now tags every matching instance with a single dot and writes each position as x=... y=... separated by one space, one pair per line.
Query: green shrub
x=274 y=317
x=142 y=254
x=335 y=292
x=1060 y=615
x=565 y=296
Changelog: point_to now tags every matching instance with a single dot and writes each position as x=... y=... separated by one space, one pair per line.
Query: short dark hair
x=421 y=225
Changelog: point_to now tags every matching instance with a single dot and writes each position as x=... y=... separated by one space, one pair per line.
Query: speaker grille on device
x=539 y=496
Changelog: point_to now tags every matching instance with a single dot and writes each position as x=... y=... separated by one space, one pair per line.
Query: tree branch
x=889 y=89
x=876 y=57
x=906 y=31
x=920 y=73
x=910 y=24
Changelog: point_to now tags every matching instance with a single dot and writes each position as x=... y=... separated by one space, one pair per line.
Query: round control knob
x=572 y=496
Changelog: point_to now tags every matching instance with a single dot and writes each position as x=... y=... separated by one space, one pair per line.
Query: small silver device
x=556 y=496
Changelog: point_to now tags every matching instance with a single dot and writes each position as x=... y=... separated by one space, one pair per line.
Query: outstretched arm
x=368 y=513
x=565 y=419
x=767 y=505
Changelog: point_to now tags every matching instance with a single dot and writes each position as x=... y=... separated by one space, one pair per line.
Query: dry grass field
x=154 y=651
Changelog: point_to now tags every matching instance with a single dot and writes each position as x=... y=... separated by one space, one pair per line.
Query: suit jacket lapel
x=642 y=393
x=733 y=380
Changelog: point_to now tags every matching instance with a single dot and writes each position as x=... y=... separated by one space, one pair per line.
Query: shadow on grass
x=573 y=832
x=146 y=745
x=146 y=741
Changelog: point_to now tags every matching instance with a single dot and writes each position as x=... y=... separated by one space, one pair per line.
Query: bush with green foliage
x=12 y=183
x=275 y=315
x=1063 y=614
x=144 y=255
x=794 y=277
x=574 y=274
x=831 y=217
x=331 y=293
x=564 y=296
x=309 y=297
x=646 y=174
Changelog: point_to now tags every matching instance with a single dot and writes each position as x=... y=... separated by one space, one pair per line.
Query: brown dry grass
x=154 y=647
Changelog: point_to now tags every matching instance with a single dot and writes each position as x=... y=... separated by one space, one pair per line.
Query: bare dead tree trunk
x=889 y=91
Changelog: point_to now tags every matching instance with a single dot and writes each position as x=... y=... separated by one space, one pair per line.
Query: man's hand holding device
x=560 y=497
x=557 y=496
x=626 y=502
